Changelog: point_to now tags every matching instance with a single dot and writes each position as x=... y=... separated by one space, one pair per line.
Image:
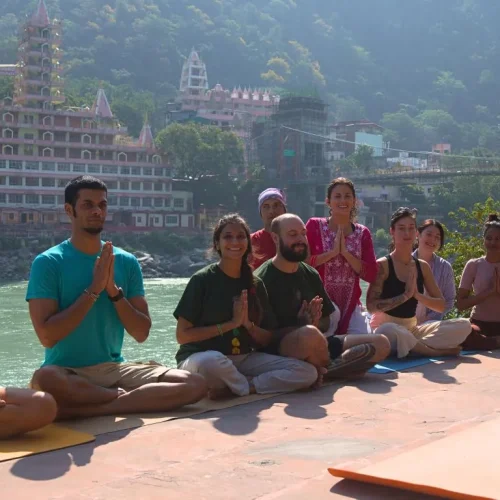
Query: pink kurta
x=339 y=278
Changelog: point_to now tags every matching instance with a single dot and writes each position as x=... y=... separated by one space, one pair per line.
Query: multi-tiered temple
x=235 y=110
x=43 y=145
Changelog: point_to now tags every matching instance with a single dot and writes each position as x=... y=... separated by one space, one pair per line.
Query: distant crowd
x=280 y=311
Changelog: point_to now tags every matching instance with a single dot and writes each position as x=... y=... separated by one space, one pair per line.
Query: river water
x=21 y=353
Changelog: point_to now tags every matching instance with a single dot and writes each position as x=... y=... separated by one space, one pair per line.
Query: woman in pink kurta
x=342 y=252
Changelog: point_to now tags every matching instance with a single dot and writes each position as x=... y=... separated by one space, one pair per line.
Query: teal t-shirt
x=62 y=273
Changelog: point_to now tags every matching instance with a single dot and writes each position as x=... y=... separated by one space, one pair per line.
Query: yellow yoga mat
x=103 y=425
x=462 y=466
x=52 y=437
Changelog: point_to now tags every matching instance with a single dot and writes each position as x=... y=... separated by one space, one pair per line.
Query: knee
x=212 y=361
x=308 y=373
x=46 y=378
x=197 y=385
x=45 y=406
x=382 y=346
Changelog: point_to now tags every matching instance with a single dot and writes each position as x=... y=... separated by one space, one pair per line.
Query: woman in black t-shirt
x=402 y=282
x=224 y=316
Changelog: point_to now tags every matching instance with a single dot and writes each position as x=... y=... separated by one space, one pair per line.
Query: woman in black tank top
x=402 y=282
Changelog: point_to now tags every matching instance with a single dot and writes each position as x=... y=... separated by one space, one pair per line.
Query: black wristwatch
x=117 y=297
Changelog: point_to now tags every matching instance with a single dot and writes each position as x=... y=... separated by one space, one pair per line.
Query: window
x=78 y=167
x=124 y=201
x=28 y=150
x=122 y=157
x=158 y=202
x=86 y=155
x=15 y=198
x=8 y=117
x=158 y=186
x=3 y=163
x=32 y=165
x=32 y=181
x=148 y=171
x=94 y=169
x=8 y=150
x=15 y=181
x=112 y=200
x=29 y=119
x=86 y=139
x=172 y=219
x=147 y=202
x=16 y=165
x=48 y=182
x=48 y=199
x=156 y=159
x=136 y=170
x=63 y=167
x=29 y=137
x=47 y=120
x=61 y=183
x=8 y=133
x=112 y=185
x=167 y=202
x=135 y=202
x=136 y=186
x=107 y=169
x=148 y=186
x=125 y=170
x=49 y=167
x=3 y=180
x=32 y=199
x=60 y=199
x=3 y=198
x=48 y=136
x=178 y=202
x=125 y=185
x=47 y=152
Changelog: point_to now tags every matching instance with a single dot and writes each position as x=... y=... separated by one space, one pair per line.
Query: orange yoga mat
x=461 y=466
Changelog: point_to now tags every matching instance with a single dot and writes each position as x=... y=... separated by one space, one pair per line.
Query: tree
x=466 y=242
x=362 y=157
x=201 y=150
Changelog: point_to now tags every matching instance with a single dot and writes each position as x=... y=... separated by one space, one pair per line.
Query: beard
x=290 y=254
x=93 y=230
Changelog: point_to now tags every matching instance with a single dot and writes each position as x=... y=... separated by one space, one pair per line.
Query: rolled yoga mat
x=463 y=465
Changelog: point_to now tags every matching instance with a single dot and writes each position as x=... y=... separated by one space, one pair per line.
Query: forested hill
x=428 y=69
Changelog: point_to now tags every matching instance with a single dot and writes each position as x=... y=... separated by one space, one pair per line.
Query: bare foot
x=223 y=393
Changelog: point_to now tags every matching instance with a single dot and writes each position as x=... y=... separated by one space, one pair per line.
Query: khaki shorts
x=125 y=375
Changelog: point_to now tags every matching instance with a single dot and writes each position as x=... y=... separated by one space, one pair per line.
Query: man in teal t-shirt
x=83 y=294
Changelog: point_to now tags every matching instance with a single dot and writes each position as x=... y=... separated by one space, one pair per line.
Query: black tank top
x=394 y=287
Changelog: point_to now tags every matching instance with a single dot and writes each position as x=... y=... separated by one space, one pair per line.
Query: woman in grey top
x=430 y=241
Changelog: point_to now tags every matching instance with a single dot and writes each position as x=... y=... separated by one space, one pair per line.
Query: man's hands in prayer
x=310 y=313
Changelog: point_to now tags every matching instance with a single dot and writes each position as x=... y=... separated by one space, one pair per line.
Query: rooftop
x=273 y=449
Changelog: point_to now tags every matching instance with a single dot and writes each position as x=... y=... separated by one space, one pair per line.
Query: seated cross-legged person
x=224 y=316
x=24 y=410
x=307 y=318
x=480 y=289
x=392 y=299
x=83 y=294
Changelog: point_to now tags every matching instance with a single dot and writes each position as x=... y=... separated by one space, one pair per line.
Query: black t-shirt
x=286 y=291
x=208 y=300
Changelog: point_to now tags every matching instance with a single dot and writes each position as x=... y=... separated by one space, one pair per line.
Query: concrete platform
x=278 y=448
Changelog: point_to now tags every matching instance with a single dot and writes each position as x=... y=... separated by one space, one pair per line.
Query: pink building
x=443 y=149
x=236 y=109
x=43 y=145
